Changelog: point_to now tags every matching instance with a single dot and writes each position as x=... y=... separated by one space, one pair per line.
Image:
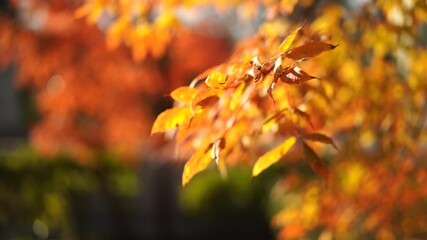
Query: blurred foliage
x=36 y=194
x=237 y=205
x=210 y=196
x=90 y=98
x=356 y=114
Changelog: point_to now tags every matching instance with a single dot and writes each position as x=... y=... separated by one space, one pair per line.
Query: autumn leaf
x=293 y=75
x=284 y=46
x=197 y=163
x=203 y=99
x=267 y=66
x=184 y=94
x=272 y=156
x=170 y=119
x=117 y=32
x=303 y=115
x=315 y=162
x=318 y=137
x=309 y=50
x=216 y=80
x=255 y=71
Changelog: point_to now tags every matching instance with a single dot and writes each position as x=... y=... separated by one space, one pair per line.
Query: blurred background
x=80 y=88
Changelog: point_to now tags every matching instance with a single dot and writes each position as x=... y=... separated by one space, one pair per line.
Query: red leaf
x=293 y=75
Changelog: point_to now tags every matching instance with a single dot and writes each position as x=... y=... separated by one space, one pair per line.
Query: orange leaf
x=184 y=94
x=170 y=119
x=272 y=156
x=203 y=99
x=197 y=163
x=309 y=50
x=318 y=137
x=116 y=33
x=216 y=80
x=315 y=162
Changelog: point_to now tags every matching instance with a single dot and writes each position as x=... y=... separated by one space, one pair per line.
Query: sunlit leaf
x=318 y=137
x=117 y=32
x=216 y=80
x=272 y=156
x=170 y=119
x=309 y=50
x=286 y=44
x=315 y=162
x=184 y=94
x=203 y=99
x=197 y=163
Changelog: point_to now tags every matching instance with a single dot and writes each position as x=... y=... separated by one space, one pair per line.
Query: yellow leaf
x=284 y=46
x=203 y=99
x=170 y=119
x=95 y=14
x=197 y=163
x=167 y=20
x=184 y=94
x=272 y=156
x=216 y=80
